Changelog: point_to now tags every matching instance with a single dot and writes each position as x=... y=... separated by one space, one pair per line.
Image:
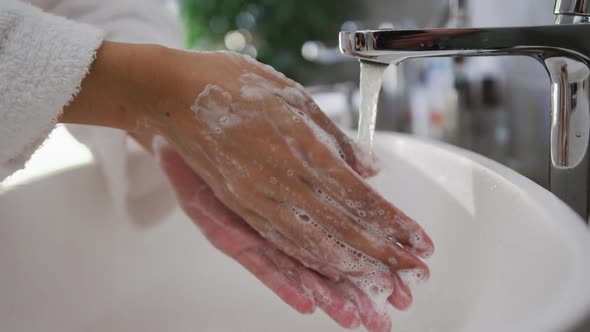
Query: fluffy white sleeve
x=43 y=59
x=138 y=189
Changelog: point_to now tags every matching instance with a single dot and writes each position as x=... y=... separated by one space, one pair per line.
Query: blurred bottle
x=433 y=102
x=419 y=106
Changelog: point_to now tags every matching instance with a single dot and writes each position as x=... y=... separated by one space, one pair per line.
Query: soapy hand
x=259 y=148
x=298 y=286
x=266 y=151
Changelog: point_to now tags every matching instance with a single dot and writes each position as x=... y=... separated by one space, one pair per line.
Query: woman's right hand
x=271 y=156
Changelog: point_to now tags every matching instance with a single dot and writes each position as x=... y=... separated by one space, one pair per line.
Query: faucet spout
x=393 y=46
x=562 y=49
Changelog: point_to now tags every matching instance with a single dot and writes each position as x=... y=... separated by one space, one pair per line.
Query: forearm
x=111 y=88
x=127 y=83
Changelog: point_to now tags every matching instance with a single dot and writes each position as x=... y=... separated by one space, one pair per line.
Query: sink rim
x=580 y=304
x=578 y=309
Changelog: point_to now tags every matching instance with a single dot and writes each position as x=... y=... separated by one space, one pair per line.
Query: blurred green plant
x=273 y=31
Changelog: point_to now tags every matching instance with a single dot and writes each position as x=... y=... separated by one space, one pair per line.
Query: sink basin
x=509 y=257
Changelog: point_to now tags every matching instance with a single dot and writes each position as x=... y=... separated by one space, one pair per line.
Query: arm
x=262 y=148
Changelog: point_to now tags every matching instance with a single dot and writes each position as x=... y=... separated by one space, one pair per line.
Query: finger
x=361 y=202
x=369 y=274
x=289 y=290
x=353 y=231
x=401 y=298
x=334 y=304
x=296 y=252
x=373 y=319
x=341 y=310
x=351 y=195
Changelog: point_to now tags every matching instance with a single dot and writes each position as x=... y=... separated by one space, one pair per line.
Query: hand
x=268 y=154
x=301 y=288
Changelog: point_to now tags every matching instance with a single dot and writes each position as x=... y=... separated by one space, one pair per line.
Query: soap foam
x=254 y=86
x=213 y=108
x=411 y=277
x=366 y=273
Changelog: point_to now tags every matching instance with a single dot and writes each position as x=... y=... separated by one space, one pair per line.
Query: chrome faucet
x=563 y=49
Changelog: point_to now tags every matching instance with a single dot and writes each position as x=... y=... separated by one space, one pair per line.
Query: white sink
x=509 y=257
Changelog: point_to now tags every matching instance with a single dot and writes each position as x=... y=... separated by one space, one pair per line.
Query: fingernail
x=401 y=298
x=306 y=305
x=421 y=244
x=353 y=318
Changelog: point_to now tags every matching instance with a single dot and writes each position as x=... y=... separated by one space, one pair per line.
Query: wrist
x=114 y=88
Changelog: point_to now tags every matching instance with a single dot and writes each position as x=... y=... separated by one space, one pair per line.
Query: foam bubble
x=252 y=93
x=368 y=274
x=418 y=242
x=375 y=229
x=302 y=215
x=321 y=135
x=412 y=277
x=293 y=96
x=213 y=98
x=323 y=295
x=223 y=120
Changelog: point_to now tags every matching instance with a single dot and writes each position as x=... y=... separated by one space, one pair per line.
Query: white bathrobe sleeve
x=138 y=189
x=61 y=51
x=43 y=59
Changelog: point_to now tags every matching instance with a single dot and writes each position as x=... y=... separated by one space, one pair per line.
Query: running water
x=371 y=80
